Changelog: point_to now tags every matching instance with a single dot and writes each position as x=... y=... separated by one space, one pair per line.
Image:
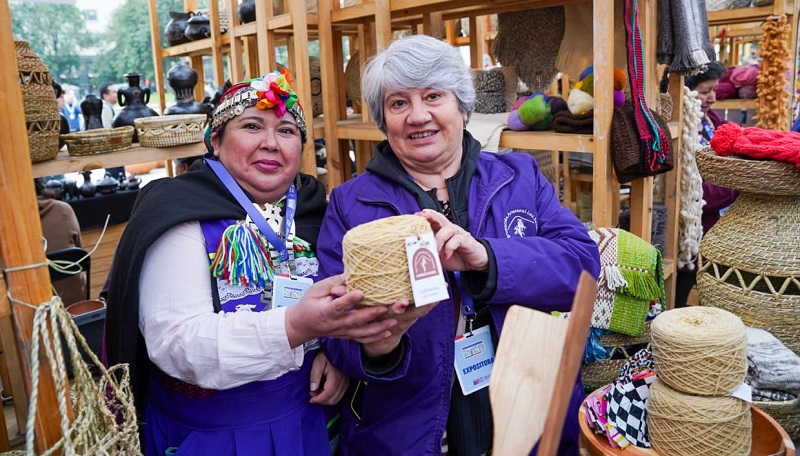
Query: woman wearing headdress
x=221 y=365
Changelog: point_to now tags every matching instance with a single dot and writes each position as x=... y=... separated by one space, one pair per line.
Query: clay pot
x=247 y=11
x=175 y=27
x=198 y=27
x=182 y=79
x=92 y=108
x=134 y=101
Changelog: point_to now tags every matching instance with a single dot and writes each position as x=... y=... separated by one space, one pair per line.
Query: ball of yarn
x=747 y=92
x=684 y=425
x=557 y=104
x=579 y=102
x=619 y=98
x=515 y=123
x=725 y=90
x=744 y=76
x=519 y=101
x=700 y=350
x=586 y=84
x=375 y=259
x=589 y=70
x=620 y=79
x=534 y=110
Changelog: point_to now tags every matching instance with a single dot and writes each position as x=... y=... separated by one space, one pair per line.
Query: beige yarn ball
x=375 y=259
x=700 y=350
x=684 y=425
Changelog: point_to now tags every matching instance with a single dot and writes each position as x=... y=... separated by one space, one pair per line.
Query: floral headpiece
x=272 y=91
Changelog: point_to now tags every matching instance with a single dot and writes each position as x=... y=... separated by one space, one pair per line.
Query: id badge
x=287 y=291
x=474 y=360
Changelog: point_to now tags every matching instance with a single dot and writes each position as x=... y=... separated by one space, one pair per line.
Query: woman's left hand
x=327 y=384
x=458 y=250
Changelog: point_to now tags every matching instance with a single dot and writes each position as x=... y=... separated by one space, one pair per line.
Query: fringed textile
x=683 y=41
x=242 y=258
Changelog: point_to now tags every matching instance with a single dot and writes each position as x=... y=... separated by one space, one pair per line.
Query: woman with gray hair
x=503 y=239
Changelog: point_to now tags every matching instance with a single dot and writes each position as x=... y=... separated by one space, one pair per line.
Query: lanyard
x=291 y=206
x=707 y=132
x=467 y=304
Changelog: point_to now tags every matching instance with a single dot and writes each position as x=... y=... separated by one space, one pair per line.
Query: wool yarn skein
x=375 y=259
x=700 y=350
x=684 y=425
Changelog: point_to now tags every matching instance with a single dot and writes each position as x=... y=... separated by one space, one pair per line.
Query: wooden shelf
x=745 y=15
x=64 y=163
x=735 y=103
x=669 y=268
x=193 y=48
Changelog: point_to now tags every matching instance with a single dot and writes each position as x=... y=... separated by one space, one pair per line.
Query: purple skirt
x=261 y=418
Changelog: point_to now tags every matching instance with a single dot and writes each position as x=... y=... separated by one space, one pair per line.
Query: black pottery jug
x=247 y=11
x=134 y=101
x=87 y=189
x=182 y=79
x=198 y=27
x=92 y=108
x=175 y=27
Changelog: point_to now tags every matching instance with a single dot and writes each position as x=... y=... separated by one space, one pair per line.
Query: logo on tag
x=424 y=263
x=473 y=350
x=520 y=223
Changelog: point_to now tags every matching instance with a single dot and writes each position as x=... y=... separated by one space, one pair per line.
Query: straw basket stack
x=749 y=262
x=701 y=356
x=39 y=100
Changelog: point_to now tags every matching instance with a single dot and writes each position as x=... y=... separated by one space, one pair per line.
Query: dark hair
x=57 y=87
x=104 y=88
x=714 y=70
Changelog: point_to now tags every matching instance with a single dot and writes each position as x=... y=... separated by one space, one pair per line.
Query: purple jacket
x=539 y=249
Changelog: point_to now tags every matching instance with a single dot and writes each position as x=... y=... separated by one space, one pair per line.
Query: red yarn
x=754 y=142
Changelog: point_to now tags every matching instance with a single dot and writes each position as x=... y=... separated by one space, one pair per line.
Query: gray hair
x=416 y=62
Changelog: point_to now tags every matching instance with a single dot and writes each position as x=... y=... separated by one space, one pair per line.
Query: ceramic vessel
x=183 y=79
x=175 y=27
x=134 y=101
x=92 y=108
x=247 y=11
x=198 y=27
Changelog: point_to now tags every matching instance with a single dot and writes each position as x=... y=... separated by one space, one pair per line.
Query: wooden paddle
x=535 y=368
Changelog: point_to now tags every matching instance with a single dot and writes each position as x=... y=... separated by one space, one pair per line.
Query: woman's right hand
x=319 y=313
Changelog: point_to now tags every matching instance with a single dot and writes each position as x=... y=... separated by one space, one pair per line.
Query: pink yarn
x=519 y=101
x=747 y=92
x=725 y=90
x=744 y=76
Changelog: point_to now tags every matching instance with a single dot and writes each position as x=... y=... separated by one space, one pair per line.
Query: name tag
x=474 y=360
x=287 y=291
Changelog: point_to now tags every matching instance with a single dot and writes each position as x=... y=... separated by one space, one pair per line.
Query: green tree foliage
x=56 y=32
x=128 y=44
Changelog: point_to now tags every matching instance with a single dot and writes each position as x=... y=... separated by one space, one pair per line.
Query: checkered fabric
x=627 y=409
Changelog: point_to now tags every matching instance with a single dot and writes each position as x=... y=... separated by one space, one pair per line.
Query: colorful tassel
x=242 y=258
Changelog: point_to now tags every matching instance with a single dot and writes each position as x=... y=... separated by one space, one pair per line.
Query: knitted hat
x=566 y=122
x=272 y=91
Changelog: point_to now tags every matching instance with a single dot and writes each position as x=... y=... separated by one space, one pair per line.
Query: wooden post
x=21 y=235
x=604 y=181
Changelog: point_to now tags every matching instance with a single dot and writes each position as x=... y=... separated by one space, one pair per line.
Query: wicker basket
x=168 y=131
x=98 y=141
x=787 y=413
x=621 y=347
x=767 y=177
x=39 y=101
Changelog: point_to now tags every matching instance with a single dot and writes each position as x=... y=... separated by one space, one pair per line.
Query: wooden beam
x=21 y=237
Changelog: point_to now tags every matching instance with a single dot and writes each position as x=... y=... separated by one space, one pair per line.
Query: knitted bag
x=631 y=277
x=626 y=153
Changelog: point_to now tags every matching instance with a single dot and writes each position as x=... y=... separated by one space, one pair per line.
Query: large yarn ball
x=534 y=110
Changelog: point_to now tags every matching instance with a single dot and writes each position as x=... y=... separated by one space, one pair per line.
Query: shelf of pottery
x=248 y=48
x=378 y=21
x=733 y=25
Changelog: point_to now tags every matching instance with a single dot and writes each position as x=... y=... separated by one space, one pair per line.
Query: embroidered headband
x=272 y=91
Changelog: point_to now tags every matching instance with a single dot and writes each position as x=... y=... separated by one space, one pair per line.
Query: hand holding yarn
x=458 y=250
x=406 y=315
x=321 y=313
x=327 y=384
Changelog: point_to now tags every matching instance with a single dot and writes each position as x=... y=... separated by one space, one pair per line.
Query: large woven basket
x=787 y=413
x=98 y=141
x=168 y=131
x=767 y=177
x=39 y=101
x=621 y=347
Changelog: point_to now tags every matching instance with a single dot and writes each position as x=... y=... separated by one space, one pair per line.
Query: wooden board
x=535 y=368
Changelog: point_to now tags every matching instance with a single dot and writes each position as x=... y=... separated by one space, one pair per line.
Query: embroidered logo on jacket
x=520 y=223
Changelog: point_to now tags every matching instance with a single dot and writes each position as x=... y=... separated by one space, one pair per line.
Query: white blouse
x=187 y=339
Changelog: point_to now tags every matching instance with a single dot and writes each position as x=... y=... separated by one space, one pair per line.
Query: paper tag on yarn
x=427 y=278
x=743 y=392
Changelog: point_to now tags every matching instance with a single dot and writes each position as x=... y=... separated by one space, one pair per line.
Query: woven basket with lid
x=749 y=262
x=39 y=100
